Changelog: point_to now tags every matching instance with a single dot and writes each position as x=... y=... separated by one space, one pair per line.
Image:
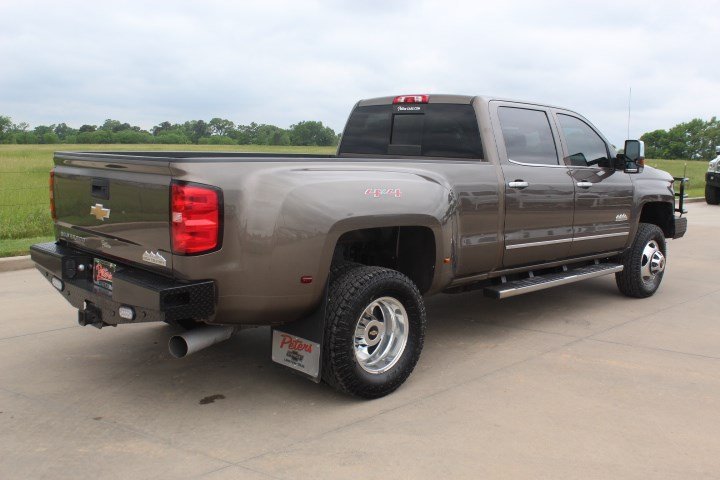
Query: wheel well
x=409 y=250
x=660 y=214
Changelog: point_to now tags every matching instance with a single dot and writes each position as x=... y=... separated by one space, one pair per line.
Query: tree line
x=218 y=131
x=693 y=140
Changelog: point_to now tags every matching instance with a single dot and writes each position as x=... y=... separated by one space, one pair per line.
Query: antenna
x=629 y=99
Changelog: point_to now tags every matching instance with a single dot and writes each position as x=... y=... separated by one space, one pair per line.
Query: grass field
x=694 y=170
x=24 y=211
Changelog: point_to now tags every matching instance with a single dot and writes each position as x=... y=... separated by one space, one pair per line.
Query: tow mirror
x=634 y=155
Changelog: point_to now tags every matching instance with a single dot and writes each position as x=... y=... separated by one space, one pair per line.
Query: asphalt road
x=574 y=382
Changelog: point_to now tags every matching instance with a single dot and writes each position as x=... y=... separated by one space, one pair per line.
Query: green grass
x=10 y=247
x=694 y=170
x=24 y=205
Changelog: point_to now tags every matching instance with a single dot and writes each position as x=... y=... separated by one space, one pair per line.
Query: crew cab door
x=603 y=195
x=539 y=190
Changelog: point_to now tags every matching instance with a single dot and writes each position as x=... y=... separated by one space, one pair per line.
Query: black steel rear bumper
x=152 y=297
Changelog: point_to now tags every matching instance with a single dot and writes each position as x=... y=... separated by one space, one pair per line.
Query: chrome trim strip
x=538 y=244
x=604 y=235
x=566 y=240
x=553 y=165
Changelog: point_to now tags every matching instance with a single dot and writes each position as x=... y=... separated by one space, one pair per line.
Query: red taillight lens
x=53 y=214
x=195 y=218
x=412 y=99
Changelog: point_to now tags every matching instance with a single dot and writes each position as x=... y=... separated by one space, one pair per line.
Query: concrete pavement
x=574 y=382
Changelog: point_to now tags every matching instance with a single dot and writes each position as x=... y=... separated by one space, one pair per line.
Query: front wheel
x=376 y=328
x=644 y=263
x=711 y=195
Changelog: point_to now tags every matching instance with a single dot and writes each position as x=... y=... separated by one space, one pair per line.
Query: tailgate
x=118 y=207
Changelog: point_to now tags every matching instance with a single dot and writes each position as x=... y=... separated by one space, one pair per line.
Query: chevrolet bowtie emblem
x=99 y=212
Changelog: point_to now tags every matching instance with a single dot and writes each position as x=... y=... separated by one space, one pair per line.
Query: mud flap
x=298 y=345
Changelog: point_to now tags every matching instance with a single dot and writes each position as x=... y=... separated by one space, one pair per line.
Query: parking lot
x=573 y=382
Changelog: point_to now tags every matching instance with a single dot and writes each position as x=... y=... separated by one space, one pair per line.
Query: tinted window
x=433 y=130
x=368 y=130
x=451 y=131
x=584 y=145
x=407 y=129
x=528 y=137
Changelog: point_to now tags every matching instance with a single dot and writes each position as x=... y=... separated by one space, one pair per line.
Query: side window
x=527 y=135
x=584 y=145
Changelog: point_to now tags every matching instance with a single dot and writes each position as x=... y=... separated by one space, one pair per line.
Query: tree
x=695 y=139
x=6 y=124
x=220 y=126
x=164 y=127
x=196 y=129
x=174 y=137
x=312 y=133
x=217 y=140
x=246 y=134
x=43 y=129
x=218 y=131
x=271 y=135
x=63 y=131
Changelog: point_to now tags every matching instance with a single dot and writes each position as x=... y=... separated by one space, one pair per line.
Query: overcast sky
x=280 y=62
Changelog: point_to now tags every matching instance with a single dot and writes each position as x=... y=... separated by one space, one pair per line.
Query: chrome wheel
x=381 y=334
x=652 y=262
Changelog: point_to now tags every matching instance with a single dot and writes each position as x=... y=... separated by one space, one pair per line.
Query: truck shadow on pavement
x=240 y=371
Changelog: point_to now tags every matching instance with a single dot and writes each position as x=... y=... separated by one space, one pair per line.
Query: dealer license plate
x=103 y=272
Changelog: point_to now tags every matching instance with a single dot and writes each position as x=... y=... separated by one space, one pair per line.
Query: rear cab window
x=446 y=130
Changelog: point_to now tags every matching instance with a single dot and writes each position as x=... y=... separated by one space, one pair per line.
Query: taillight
x=412 y=99
x=195 y=217
x=53 y=214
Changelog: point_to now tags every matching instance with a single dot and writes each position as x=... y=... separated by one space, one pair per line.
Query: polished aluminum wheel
x=381 y=334
x=652 y=262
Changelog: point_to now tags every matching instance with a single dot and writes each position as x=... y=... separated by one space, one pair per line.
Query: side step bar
x=533 y=284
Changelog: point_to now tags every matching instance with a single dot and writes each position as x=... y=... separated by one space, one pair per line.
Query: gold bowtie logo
x=99 y=212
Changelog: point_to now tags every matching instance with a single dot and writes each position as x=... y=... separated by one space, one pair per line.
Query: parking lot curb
x=11 y=264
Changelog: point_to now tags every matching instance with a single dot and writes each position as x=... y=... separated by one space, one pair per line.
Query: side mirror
x=634 y=155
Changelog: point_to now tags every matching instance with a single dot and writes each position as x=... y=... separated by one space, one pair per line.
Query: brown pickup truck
x=427 y=194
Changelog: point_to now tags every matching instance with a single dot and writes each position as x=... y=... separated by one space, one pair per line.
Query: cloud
x=284 y=61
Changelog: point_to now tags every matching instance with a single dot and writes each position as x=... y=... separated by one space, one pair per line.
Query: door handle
x=518 y=184
x=584 y=184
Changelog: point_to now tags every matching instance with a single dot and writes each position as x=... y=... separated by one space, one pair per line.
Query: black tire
x=630 y=281
x=712 y=196
x=338 y=269
x=349 y=296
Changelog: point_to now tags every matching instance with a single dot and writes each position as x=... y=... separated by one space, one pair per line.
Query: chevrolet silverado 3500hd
x=427 y=194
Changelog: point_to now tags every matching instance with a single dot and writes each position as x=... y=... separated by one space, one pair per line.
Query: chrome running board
x=541 y=282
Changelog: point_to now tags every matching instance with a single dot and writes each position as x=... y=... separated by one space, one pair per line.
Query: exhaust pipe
x=195 y=340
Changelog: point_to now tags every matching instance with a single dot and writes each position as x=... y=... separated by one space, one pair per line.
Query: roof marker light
x=412 y=99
